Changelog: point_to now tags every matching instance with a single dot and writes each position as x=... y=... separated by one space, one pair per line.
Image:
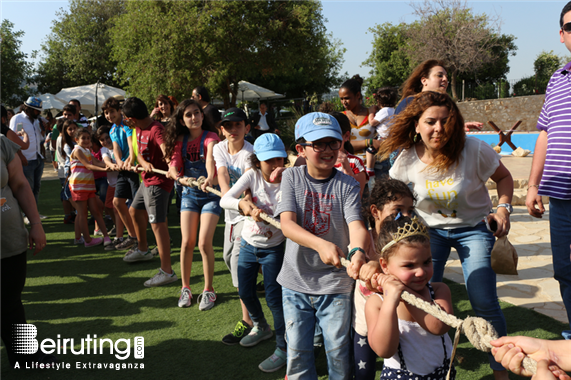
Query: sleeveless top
x=81 y=179
x=361 y=132
x=420 y=355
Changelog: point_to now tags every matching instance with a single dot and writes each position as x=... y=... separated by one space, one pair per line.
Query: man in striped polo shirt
x=551 y=167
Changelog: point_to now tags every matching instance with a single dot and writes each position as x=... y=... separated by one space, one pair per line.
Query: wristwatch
x=508 y=207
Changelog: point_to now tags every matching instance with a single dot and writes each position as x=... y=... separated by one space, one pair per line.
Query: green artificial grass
x=74 y=291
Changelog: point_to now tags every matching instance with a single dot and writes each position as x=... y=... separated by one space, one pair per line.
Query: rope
x=478 y=331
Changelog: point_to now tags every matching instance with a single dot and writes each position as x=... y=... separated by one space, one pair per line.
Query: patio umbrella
x=87 y=95
x=50 y=102
x=250 y=91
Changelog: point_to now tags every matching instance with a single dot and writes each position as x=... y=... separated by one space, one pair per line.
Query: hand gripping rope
x=478 y=331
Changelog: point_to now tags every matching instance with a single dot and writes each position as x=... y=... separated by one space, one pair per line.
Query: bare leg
x=208 y=223
x=161 y=232
x=188 y=229
x=81 y=207
x=124 y=214
x=245 y=314
x=140 y=218
x=95 y=209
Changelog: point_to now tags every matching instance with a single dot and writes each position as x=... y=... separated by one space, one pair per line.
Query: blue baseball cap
x=269 y=146
x=317 y=125
x=33 y=102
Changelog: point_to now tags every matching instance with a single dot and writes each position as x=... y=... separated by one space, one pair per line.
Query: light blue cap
x=269 y=146
x=317 y=125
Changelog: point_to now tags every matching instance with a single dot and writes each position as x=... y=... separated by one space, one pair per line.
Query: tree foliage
x=78 y=50
x=15 y=69
x=545 y=64
x=173 y=46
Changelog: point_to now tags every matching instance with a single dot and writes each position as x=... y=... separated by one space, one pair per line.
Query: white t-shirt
x=111 y=176
x=236 y=165
x=266 y=196
x=383 y=116
x=60 y=155
x=456 y=198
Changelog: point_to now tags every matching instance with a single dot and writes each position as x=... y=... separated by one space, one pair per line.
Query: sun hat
x=33 y=102
x=269 y=146
x=317 y=125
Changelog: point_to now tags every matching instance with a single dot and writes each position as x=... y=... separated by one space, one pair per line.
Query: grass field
x=73 y=291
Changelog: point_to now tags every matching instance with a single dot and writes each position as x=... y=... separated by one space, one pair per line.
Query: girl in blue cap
x=262 y=244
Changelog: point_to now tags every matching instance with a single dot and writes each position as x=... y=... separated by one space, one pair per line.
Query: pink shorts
x=78 y=197
x=109 y=197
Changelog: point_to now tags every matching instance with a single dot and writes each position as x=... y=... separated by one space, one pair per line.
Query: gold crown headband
x=415 y=227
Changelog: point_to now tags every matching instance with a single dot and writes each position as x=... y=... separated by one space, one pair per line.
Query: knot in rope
x=479 y=332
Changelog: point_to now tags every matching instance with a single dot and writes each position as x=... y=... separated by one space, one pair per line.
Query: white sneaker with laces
x=206 y=300
x=135 y=255
x=185 y=297
x=161 y=278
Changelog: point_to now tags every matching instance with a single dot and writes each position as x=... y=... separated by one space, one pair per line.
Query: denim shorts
x=195 y=201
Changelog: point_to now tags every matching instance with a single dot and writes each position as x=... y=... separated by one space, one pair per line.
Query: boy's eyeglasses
x=319 y=147
x=566 y=27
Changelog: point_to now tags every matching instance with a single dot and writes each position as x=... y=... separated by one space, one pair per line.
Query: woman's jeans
x=271 y=260
x=333 y=313
x=474 y=246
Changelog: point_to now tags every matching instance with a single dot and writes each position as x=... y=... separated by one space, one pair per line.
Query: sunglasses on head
x=566 y=27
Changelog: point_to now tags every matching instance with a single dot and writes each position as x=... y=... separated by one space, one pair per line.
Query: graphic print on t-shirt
x=234 y=173
x=443 y=196
x=316 y=217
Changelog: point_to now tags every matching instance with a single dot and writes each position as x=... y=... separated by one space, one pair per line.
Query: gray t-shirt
x=14 y=234
x=324 y=208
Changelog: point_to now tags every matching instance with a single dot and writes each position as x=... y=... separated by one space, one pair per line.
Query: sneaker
x=113 y=245
x=79 y=241
x=241 y=330
x=43 y=216
x=127 y=243
x=276 y=361
x=161 y=278
x=97 y=233
x=112 y=232
x=256 y=336
x=93 y=242
x=185 y=297
x=135 y=255
x=26 y=220
x=107 y=241
x=206 y=300
x=260 y=287
x=155 y=251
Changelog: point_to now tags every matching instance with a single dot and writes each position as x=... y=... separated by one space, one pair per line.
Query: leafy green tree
x=15 y=69
x=77 y=52
x=172 y=46
x=545 y=64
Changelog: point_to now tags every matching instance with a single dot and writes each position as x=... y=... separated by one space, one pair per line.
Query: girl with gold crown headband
x=415 y=344
x=448 y=172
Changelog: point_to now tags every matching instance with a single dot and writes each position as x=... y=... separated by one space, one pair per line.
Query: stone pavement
x=534 y=286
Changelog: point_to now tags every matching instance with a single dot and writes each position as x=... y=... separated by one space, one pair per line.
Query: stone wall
x=505 y=112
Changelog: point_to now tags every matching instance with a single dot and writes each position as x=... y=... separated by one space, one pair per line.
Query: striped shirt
x=555 y=119
x=324 y=208
x=81 y=179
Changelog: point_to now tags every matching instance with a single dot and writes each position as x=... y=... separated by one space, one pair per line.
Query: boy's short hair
x=101 y=131
x=135 y=108
x=234 y=114
x=316 y=125
x=386 y=96
x=70 y=108
x=203 y=92
x=111 y=103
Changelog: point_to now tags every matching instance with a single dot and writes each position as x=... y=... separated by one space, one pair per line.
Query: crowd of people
x=389 y=190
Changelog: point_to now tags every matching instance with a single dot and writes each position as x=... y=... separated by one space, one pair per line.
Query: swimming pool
x=524 y=140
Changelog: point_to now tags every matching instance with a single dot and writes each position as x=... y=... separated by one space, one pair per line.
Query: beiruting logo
x=25 y=342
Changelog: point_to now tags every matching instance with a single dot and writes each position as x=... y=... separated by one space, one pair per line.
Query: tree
x=448 y=30
x=15 y=69
x=545 y=64
x=78 y=50
x=173 y=46
x=390 y=63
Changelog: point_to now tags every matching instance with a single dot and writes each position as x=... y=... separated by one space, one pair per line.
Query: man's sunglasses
x=566 y=27
x=319 y=147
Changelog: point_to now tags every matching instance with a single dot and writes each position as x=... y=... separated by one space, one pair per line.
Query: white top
x=266 y=196
x=32 y=128
x=383 y=116
x=60 y=155
x=236 y=165
x=263 y=123
x=422 y=351
x=111 y=176
x=456 y=198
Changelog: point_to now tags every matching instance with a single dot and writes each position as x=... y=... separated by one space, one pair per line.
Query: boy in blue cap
x=320 y=212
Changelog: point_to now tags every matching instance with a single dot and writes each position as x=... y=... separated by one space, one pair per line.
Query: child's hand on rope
x=247 y=206
x=207 y=183
x=367 y=272
x=172 y=173
x=276 y=176
x=391 y=286
x=255 y=214
x=329 y=253
x=357 y=262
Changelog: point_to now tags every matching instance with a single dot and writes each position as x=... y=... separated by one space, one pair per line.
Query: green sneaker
x=276 y=361
x=256 y=336
x=241 y=330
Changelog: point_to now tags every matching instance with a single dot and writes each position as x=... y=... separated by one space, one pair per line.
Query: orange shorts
x=109 y=197
x=78 y=197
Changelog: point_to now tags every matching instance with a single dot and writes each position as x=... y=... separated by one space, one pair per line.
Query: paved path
x=534 y=286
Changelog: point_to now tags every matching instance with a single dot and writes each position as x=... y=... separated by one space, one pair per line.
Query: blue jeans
x=101 y=186
x=271 y=260
x=474 y=246
x=333 y=313
x=560 y=226
x=33 y=173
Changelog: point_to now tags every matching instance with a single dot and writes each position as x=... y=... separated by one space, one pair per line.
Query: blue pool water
x=525 y=140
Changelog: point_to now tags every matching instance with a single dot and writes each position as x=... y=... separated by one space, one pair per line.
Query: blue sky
x=534 y=23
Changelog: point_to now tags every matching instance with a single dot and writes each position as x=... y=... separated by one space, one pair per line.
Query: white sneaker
x=97 y=233
x=206 y=299
x=185 y=298
x=135 y=255
x=161 y=278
